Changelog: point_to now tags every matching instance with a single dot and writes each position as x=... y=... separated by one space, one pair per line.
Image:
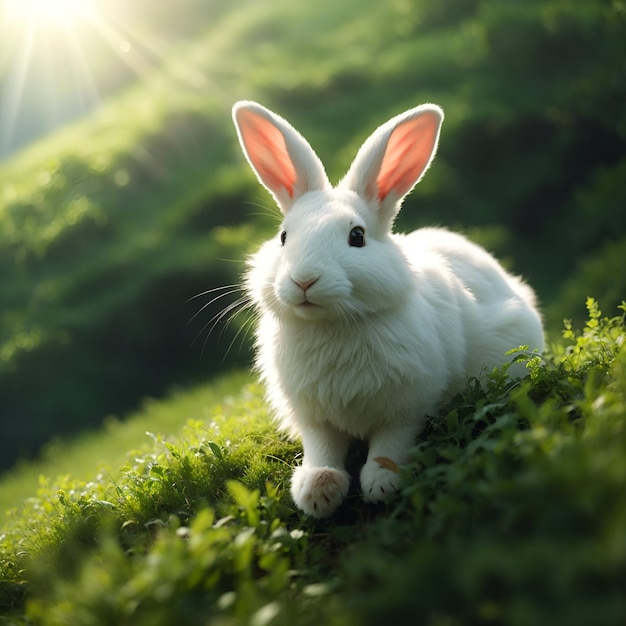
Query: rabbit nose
x=305 y=284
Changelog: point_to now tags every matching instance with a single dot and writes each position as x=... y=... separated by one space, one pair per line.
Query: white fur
x=389 y=329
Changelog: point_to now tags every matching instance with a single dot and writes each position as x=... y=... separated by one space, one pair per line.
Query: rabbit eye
x=357 y=237
x=283 y=237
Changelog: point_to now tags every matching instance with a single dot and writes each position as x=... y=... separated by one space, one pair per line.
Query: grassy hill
x=511 y=511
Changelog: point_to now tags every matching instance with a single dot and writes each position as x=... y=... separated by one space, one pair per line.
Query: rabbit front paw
x=318 y=491
x=379 y=480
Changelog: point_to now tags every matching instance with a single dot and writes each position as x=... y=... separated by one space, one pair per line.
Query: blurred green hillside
x=110 y=226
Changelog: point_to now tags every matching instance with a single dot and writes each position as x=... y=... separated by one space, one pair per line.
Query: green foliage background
x=109 y=226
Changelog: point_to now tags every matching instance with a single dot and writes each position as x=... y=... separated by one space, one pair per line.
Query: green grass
x=512 y=511
x=106 y=448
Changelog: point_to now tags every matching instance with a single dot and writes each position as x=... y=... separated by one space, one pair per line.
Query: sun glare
x=48 y=11
x=54 y=55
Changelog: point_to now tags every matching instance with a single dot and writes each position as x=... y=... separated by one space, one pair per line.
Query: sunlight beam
x=47 y=12
x=53 y=55
x=12 y=95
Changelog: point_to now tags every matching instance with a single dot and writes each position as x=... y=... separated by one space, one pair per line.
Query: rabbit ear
x=394 y=158
x=282 y=159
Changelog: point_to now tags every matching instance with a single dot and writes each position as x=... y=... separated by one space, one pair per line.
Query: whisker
x=272 y=211
x=245 y=328
x=212 y=301
x=218 y=317
x=236 y=308
x=208 y=291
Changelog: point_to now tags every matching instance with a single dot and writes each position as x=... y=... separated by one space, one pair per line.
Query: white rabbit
x=363 y=333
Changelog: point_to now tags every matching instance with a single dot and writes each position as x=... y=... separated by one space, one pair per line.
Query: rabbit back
x=498 y=310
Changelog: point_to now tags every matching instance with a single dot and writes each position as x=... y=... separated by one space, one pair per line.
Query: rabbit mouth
x=308 y=303
x=308 y=310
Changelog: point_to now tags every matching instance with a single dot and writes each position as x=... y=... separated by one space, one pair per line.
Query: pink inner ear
x=408 y=153
x=267 y=151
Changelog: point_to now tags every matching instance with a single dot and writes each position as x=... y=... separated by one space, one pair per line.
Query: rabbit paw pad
x=318 y=491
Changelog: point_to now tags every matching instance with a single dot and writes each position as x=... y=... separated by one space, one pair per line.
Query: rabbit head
x=332 y=256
